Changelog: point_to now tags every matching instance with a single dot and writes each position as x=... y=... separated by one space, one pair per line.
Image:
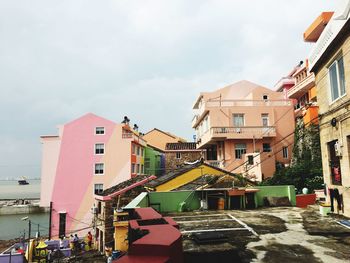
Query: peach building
x=87 y=156
x=245 y=128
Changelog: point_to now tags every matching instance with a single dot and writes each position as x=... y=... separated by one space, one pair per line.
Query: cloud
x=147 y=59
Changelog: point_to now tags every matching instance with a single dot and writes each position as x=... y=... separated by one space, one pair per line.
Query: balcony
x=226 y=133
x=257 y=132
x=215 y=163
x=200 y=113
x=311 y=115
x=304 y=82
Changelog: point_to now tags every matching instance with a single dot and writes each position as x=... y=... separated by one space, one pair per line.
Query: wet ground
x=284 y=234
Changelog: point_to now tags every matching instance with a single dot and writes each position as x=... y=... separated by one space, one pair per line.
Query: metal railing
x=251 y=130
x=234 y=103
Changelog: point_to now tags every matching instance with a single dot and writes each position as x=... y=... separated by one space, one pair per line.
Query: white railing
x=234 y=103
x=304 y=85
x=257 y=131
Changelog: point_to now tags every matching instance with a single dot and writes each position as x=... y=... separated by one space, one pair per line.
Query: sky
x=147 y=59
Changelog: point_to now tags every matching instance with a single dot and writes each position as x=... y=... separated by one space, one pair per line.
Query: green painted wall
x=275 y=191
x=152 y=162
x=171 y=201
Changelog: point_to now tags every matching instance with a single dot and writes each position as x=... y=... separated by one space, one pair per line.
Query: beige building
x=245 y=128
x=158 y=139
x=330 y=62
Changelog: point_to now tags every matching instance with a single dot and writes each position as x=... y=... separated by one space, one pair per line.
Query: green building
x=154 y=161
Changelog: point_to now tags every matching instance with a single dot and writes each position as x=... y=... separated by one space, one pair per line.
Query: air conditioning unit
x=337 y=149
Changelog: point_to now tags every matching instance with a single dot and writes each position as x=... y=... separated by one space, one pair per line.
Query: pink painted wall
x=72 y=175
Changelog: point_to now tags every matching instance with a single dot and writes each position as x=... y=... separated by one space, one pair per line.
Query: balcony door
x=265 y=122
x=238 y=121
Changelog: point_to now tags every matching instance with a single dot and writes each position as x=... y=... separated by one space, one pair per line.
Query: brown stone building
x=330 y=62
x=176 y=154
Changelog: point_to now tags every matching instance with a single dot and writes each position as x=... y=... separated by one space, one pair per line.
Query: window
x=240 y=149
x=250 y=159
x=133 y=150
x=178 y=155
x=100 y=130
x=98 y=189
x=142 y=169
x=138 y=168
x=142 y=152
x=337 y=79
x=132 y=168
x=99 y=168
x=238 y=120
x=265 y=119
x=265 y=97
x=138 y=150
x=62 y=225
x=147 y=163
x=266 y=147
x=285 y=152
x=99 y=148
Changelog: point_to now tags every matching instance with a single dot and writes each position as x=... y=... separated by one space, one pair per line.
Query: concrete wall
x=170 y=201
x=159 y=139
x=154 y=157
x=275 y=191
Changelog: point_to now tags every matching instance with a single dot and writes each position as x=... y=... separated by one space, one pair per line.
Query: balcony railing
x=304 y=84
x=244 y=132
x=235 y=103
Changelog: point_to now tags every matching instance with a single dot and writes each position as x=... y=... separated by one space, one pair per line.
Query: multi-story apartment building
x=87 y=156
x=245 y=128
x=330 y=62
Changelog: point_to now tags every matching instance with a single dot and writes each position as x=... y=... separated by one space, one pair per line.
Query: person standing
x=89 y=238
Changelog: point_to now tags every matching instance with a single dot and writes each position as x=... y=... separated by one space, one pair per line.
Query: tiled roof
x=124 y=184
x=181 y=146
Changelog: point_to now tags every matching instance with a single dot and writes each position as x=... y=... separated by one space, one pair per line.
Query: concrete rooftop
x=283 y=234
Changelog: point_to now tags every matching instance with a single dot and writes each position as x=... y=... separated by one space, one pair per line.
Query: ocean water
x=12 y=190
x=11 y=226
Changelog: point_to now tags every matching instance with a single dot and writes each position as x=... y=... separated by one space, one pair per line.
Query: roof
x=235 y=91
x=171 y=175
x=212 y=181
x=166 y=133
x=335 y=29
x=181 y=146
x=126 y=185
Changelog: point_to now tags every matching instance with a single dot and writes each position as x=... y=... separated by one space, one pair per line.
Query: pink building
x=245 y=128
x=87 y=156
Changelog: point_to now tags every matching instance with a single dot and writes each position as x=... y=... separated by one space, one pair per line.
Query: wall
x=50 y=152
x=154 y=158
x=73 y=190
x=342 y=130
x=159 y=139
x=170 y=201
x=171 y=162
x=275 y=191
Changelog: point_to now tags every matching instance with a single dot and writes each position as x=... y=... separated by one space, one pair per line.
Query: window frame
x=103 y=169
x=264 y=148
x=178 y=155
x=238 y=115
x=335 y=64
x=285 y=152
x=100 y=127
x=98 y=184
x=103 y=148
x=239 y=151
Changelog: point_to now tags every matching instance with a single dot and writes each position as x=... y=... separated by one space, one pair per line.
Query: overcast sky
x=145 y=59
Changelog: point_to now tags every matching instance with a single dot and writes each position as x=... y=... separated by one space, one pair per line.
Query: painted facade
x=245 y=128
x=330 y=62
x=88 y=155
x=158 y=138
x=154 y=162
